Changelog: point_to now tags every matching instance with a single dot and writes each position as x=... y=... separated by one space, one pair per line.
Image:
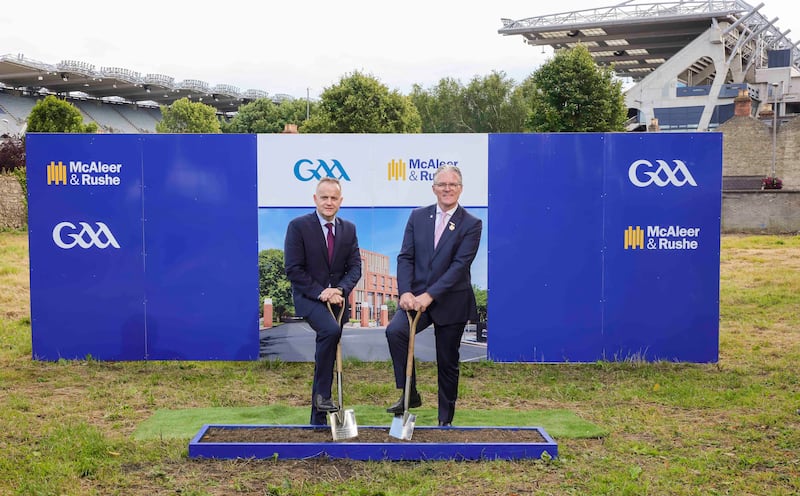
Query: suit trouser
x=328 y=335
x=448 y=342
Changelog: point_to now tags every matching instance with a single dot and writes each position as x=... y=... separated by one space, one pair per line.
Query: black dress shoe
x=325 y=405
x=414 y=401
x=445 y=424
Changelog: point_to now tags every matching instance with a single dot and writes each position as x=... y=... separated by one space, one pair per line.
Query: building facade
x=376 y=287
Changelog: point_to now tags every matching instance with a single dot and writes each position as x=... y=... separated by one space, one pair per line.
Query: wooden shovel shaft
x=412 y=332
x=338 y=353
x=338 y=346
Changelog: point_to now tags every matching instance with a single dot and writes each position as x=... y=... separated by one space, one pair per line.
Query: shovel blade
x=343 y=424
x=403 y=427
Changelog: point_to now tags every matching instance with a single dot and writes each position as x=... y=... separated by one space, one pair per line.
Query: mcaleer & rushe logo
x=56 y=173
x=662 y=238
x=634 y=238
x=416 y=169
x=67 y=235
x=643 y=173
x=95 y=173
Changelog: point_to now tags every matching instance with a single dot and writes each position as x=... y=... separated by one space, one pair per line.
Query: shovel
x=403 y=427
x=343 y=422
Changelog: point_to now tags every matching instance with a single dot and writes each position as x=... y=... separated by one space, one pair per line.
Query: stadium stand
x=110 y=117
x=143 y=118
x=18 y=107
x=106 y=116
x=119 y=100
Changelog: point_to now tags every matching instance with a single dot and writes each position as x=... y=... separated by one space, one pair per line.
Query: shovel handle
x=337 y=318
x=412 y=322
x=412 y=333
x=339 y=345
x=338 y=360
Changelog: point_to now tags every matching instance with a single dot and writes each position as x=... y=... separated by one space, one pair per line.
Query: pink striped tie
x=440 y=228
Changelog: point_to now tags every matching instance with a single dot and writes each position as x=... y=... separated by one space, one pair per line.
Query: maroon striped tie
x=330 y=241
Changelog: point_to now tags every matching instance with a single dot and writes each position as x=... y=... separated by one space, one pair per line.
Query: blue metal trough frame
x=400 y=450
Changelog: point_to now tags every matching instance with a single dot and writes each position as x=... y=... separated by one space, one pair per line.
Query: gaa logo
x=306 y=170
x=86 y=237
x=641 y=174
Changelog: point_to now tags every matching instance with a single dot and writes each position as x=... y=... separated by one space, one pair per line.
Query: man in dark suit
x=323 y=263
x=433 y=277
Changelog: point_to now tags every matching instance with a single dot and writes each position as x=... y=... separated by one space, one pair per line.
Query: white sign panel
x=393 y=170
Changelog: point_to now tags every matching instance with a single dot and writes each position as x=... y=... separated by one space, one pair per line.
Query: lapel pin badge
x=452 y=226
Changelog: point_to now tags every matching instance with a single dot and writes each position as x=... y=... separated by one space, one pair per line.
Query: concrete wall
x=12 y=206
x=767 y=212
x=747 y=149
x=789 y=154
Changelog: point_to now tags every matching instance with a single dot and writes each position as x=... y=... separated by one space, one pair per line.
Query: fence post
x=267 y=313
x=364 y=314
x=384 y=316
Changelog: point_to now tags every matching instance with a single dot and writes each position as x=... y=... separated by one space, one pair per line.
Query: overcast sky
x=295 y=47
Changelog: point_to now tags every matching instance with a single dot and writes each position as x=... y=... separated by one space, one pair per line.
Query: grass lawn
x=673 y=428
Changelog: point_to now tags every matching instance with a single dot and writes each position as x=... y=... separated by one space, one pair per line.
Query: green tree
x=53 y=115
x=488 y=104
x=265 y=116
x=273 y=283
x=523 y=97
x=185 y=116
x=391 y=308
x=481 y=300
x=576 y=95
x=361 y=104
x=440 y=108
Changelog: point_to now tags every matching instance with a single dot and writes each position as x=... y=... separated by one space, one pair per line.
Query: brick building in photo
x=376 y=287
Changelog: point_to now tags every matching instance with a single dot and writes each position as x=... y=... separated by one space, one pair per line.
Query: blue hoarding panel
x=545 y=233
x=600 y=246
x=604 y=246
x=201 y=245
x=662 y=224
x=85 y=233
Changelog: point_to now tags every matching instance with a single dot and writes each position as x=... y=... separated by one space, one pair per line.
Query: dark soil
x=275 y=435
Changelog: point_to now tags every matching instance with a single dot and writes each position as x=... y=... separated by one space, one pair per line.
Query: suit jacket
x=444 y=272
x=306 y=260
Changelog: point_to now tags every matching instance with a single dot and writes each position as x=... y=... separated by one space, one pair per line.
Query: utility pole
x=774 y=126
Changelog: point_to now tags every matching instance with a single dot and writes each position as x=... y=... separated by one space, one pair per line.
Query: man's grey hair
x=328 y=179
x=450 y=168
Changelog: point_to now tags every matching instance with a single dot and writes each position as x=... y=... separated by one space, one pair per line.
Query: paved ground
x=294 y=342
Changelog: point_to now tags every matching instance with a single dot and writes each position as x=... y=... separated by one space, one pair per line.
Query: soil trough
x=372 y=443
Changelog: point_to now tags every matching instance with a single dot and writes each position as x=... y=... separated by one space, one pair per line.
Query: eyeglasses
x=447 y=185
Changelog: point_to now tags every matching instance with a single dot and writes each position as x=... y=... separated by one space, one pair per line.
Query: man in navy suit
x=323 y=263
x=433 y=277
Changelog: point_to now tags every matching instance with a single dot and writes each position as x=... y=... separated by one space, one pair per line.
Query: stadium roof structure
x=118 y=84
x=638 y=37
x=688 y=60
